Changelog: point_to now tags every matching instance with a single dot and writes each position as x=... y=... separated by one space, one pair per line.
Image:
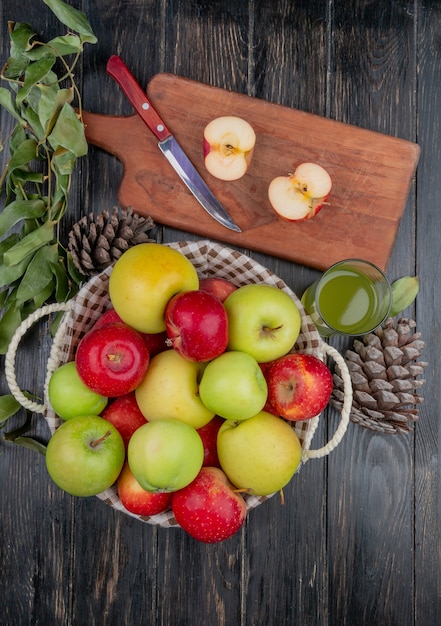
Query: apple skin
x=299 y=386
x=300 y=196
x=165 y=455
x=233 y=386
x=262 y=320
x=144 y=279
x=259 y=455
x=208 y=434
x=69 y=396
x=265 y=367
x=209 y=509
x=197 y=325
x=112 y=359
x=124 y=413
x=170 y=389
x=136 y=499
x=155 y=342
x=85 y=455
x=228 y=147
x=217 y=286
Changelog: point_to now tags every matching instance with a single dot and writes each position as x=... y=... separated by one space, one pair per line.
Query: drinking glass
x=352 y=297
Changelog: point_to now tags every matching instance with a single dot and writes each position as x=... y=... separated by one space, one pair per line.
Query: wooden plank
x=371 y=173
x=369 y=558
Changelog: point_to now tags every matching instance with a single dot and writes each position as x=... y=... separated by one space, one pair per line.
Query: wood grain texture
x=371 y=172
x=358 y=538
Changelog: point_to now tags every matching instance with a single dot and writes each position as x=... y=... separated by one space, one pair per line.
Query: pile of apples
x=228 y=145
x=182 y=394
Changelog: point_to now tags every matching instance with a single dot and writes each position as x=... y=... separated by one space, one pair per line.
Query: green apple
x=263 y=320
x=233 y=386
x=144 y=279
x=165 y=455
x=85 y=455
x=69 y=396
x=259 y=455
x=170 y=389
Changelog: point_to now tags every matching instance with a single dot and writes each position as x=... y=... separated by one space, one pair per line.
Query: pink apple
x=197 y=325
x=124 y=413
x=208 y=508
x=301 y=195
x=217 y=286
x=155 y=342
x=228 y=147
x=112 y=359
x=299 y=386
x=208 y=434
x=265 y=367
x=136 y=499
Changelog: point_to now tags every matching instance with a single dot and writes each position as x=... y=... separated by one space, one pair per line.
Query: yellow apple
x=170 y=389
x=144 y=279
x=228 y=147
x=260 y=454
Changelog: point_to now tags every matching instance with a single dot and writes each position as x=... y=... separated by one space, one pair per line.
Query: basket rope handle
x=346 y=408
x=22 y=329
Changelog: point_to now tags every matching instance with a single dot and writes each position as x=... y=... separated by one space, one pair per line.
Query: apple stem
x=282 y=497
x=115 y=358
x=101 y=439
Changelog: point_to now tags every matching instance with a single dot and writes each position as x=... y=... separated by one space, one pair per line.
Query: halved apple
x=228 y=147
x=301 y=195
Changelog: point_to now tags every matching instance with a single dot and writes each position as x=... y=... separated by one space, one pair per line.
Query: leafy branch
x=47 y=139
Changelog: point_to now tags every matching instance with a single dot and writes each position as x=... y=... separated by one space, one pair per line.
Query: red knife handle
x=117 y=69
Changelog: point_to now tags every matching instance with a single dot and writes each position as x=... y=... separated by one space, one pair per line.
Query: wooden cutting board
x=372 y=174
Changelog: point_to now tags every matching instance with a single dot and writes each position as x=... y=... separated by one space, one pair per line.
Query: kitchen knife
x=168 y=145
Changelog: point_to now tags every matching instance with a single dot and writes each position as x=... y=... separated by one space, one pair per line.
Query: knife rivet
x=145 y=106
x=160 y=127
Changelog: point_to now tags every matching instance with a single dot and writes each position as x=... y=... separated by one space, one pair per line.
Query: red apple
x=125 y=415
x=197 y=325
x=208 y=508
x=299 y=386
x=228 y=147
x=136 y=499
x=217 y=286
x=155 y=342
x=265 y=367
x=208 y=434
x=301 y=195
x=112 y=359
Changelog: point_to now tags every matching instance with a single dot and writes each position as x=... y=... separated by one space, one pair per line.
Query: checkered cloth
x=209 y=259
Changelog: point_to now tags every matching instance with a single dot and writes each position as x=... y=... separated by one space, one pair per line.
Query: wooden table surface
x=357 y=541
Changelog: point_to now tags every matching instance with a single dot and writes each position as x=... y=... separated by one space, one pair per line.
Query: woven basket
x=209 y=259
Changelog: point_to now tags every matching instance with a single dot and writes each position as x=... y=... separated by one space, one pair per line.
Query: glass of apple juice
x=352 y=297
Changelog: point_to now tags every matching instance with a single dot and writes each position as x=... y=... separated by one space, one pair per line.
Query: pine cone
x=95 y=242
x=384 y=369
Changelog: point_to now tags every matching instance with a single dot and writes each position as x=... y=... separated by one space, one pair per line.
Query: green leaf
x=8 y=407
x=21 y=38
x=35 y=72
x=20 y=210
x=9 y=323
x=26 y=151
x=72 y=18
x=15 y=68
x=7 y=103
x=31 y=444
x=37 y=277
x=68 y=132
x=50 y=108
x=32 y=242
x=404 y=292
x=61 y=46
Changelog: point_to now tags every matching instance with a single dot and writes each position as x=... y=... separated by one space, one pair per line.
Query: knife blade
x=117 y=69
